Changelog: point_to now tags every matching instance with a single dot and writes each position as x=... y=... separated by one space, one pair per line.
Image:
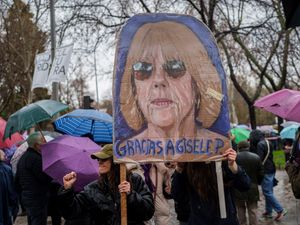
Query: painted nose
x=159 y=78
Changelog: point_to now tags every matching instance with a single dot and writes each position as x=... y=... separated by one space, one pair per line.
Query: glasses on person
x=173 y=68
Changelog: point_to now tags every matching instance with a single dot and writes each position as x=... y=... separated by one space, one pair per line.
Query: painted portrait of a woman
x=168 y=93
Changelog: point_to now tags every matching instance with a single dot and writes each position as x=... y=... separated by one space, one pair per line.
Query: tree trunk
x=279 y=121
x=252 y=116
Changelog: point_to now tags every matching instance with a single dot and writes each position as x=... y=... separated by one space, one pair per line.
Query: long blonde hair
x=177 y=42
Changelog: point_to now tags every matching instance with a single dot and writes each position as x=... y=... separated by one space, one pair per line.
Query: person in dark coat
x=8 y=194
x=198 y=181
x=248 y=200
x=293 y=166
x=101 y=198
x=287 y=145
x=262 y=147
x=33 y=182
x=53 y=211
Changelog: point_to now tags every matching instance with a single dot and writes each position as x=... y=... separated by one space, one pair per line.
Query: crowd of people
x=171 y=90
x=148 y=187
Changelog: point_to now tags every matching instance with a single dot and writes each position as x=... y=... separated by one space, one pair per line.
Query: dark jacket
x=253 y=166
x=104 y=207
x=294 y=175
x=258 y=145
x=31 y=180
x=206 y=212
x=8 y=196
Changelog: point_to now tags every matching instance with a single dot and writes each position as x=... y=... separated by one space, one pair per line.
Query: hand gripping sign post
x=170 y=96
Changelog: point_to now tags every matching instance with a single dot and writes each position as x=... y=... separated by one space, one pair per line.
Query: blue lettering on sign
x=180 y=146
x=149 y=147
x=160 y=148
x=138 y=147
x=130 y=148
x=219 y=144
x=119 y=152
x=208 y=146
x=189 y=146
x=196 y=142
x=169 y=147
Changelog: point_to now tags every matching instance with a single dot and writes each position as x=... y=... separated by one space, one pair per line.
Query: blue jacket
x=207 y=212
x=8 y=196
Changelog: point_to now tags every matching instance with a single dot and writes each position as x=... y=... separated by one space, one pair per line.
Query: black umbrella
x=291 y=12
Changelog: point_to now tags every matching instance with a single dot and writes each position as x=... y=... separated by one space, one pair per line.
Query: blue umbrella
x=289 y=132
x=86 y=122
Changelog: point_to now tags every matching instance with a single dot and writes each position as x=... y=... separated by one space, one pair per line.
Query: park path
x=282 y=192
x=284 y=195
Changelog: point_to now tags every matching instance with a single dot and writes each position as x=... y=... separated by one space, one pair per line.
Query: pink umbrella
x=284 y=103
x=15 y=138
x=68 y=153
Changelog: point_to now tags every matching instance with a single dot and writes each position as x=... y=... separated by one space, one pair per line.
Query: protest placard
x=41 y=70
x=59 y=68
x=170 y=95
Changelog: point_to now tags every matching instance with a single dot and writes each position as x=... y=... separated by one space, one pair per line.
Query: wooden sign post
x=220 y=189
x=123 y=196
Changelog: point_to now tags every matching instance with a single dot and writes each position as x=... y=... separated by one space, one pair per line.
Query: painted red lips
x=161 y=102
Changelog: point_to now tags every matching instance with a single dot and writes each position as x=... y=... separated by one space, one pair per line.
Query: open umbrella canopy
x=289 y=132
x=32 y=114
x=244 y=126
x=284 y=103
x=14 y=139
x=289 y=123
x=68 y=153
x=241 y=134
x=22 y=149
x=86 y=122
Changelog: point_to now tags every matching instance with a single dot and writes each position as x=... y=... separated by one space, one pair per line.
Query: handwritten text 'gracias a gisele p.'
x=197 y=146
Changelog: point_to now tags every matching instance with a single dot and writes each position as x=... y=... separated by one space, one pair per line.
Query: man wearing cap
x=101 y=198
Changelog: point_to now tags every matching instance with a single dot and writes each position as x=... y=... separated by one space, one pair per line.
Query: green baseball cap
x=105 y=153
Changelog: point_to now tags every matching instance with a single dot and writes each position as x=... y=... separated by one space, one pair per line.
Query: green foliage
x=20 y=40
x=279 y=159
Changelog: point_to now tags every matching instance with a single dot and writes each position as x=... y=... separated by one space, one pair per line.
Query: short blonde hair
x=177 y=41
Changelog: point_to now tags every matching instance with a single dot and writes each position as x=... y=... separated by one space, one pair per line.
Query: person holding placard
x=198 y=181
x=101 y=198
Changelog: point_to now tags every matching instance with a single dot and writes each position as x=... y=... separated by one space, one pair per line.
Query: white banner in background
x=41 y=70
x=59 y=69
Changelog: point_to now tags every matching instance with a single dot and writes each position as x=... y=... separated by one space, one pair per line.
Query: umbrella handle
x=40 y=130
x=123 y=195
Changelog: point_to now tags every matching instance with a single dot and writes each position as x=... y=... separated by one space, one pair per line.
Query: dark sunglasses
x=143 y=70
x=102 y=160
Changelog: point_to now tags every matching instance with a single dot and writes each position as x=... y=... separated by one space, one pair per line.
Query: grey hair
x=2 y=155
x=34 y=138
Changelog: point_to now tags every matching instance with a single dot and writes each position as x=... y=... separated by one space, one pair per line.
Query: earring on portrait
x=197 y=99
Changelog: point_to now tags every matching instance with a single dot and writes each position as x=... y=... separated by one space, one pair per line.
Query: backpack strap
x=265 y=159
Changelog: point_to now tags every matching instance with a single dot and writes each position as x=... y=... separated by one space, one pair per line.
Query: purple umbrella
x=284 y=103
x=68 y=153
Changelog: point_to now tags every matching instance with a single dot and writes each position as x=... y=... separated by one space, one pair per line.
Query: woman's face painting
x=164 y=89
